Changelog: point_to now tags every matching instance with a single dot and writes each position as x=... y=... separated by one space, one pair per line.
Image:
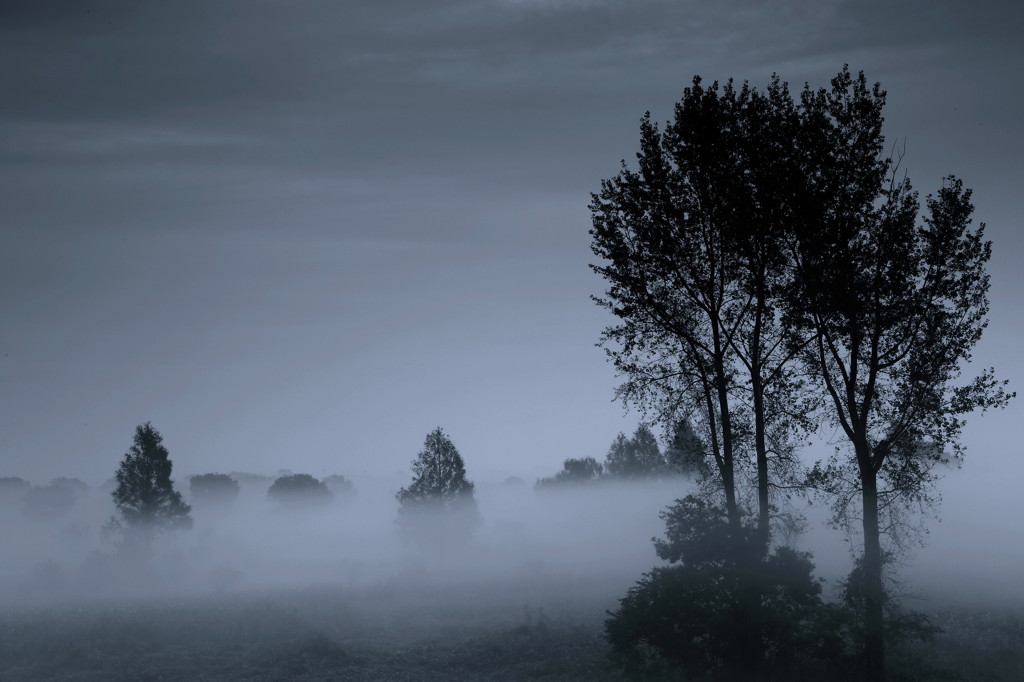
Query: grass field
x=409 y=631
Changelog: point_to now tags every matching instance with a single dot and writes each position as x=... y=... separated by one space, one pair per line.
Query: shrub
x=720 y=607
x=212 y=489
x=299 y=490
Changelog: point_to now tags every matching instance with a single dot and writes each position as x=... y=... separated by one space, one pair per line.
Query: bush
x=299 y=490
x=212 y=489
x=722 y=608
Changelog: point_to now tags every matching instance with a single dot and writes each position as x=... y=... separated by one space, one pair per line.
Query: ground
x=412 y=630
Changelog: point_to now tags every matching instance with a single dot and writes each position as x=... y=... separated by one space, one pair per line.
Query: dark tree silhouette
x=693 y=613
x=574 y=471
x=145 y=495
x=299 y=490
x=686 y=452
x=215 y=489
x=895 y=306
x=766 y=247
x=692 y=251
x=438 y=506
x=693 y=256
x=636 y=457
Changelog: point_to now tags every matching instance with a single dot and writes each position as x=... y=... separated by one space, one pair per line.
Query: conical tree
x=145 y=495
x=438 y=506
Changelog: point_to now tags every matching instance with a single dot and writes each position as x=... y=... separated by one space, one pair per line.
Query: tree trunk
x=760 y=445
x=874 y=591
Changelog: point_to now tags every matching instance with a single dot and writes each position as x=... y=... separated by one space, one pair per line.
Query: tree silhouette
x=686 y=453
x=145 y=495
x=692 y=250
x=574 y=471
x=766 y=262
x=299 y=489
x=894 y=305
x=216 y=489
x=636 y=457
x=438 y=506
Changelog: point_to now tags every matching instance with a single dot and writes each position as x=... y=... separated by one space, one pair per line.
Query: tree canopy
x=438 y=505
x=145 y=495
x=767 y=270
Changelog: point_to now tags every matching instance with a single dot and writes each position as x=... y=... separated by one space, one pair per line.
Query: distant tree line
x=636 y=458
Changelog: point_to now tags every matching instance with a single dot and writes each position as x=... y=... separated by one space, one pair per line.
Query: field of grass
x=399 y=631
x=407 y=632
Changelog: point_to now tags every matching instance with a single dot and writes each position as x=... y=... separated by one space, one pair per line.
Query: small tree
x=636 y=457
x=217 y=489
x=145 y=495
x=299 y=489
x=438 y=506
x=686 y=452
x=585 y=470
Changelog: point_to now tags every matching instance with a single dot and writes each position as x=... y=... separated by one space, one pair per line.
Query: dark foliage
x=216 y=489
x=719 y=603
x=438 y=506
x=686 y=452
x=766 y=260
x=299 y=490
x=574 y=471
x=145 y=495
x=636 y=457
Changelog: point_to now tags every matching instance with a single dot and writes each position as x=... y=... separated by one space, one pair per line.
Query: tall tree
x=145 y=495
x=895 y=306
x=692 y=253
x=694 y=258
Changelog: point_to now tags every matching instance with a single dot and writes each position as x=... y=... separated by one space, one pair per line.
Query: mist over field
x=600 y=532
x=598 y=535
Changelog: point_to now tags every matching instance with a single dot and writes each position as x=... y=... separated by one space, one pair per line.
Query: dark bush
x=299 y=490
x=212 y=489
x=721 y=608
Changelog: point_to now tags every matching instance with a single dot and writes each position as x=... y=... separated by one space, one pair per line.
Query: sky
x=302 y=235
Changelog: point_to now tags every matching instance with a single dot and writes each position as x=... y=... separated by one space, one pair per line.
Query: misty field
x=257 y=592
x=480 y=631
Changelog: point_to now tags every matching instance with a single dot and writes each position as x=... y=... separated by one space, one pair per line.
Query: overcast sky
x=303 y=234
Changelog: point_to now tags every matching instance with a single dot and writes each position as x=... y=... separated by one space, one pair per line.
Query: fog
x=592 y=540
x=595 y=535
